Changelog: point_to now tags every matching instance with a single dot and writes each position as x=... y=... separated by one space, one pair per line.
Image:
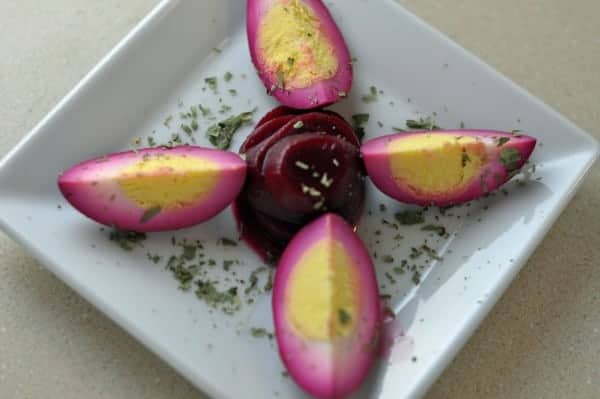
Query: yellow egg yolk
x=168 y=181
x=322 y=301
x=435 y=163
x=294 y=47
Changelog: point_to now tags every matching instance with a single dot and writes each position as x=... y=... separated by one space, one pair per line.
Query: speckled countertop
x=542 y=340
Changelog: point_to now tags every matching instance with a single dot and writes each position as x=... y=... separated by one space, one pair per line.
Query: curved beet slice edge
x=312 y=172
x=306 y=123
x=266 y=235
x=263 y=131
x=276 y=112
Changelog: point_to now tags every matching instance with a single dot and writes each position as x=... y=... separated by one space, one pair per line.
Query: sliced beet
x=264 y=130
x=311 y=172
x=282 y=110
x=279 y=195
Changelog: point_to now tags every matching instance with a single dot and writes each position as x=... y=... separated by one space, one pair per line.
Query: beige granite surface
x=542 y=340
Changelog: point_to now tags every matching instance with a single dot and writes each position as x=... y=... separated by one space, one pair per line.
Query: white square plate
x=162 y=64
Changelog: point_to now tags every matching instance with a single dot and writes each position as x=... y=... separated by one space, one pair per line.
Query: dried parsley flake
x=221 y=134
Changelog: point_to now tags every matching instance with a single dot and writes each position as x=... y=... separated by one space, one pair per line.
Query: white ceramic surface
x=163 y=62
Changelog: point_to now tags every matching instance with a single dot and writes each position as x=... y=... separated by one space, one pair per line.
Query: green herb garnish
x=415 y=253
x=253 y=279
x=227 y=264
x=227 y=242
x=416 y=278
x=186 y=129
x=410 y=217
x=228 y=299
x=465 y=158
x=127 y=240
x=358 y=122
x=151 y=141
x=344 y=316
x=233 y=92
x=204 y=110
x=175 y=139
x=390 y=278
x=432 y=253
x=260 y=333
x=224 y=109
x=440 y=230
x=228 y=76
x=500 y=141
x=150 y=213
x=510 y=158
x=387 y=259
x=189 y=252
x=269 y=284
x=212 y=83
x=422 y=124
x=221 y=134
x=371 y=96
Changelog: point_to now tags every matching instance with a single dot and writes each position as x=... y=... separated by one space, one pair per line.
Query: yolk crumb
x=322 y=299
x=168 y=181
x=295 y=48
x=436 y=163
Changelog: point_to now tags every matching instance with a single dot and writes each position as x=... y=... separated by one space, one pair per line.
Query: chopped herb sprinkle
x=257 y=332
x=510 y=158
x=410 y=217
x=422 y=124
x=500 y=141
x=227 y=242
x=358 y=122
x=440 y=230
x=212 y=83
x=344 y=316
x=228 y=300
x=221 y=134
x=371 y=96
x=150 y=214
x=127 y=240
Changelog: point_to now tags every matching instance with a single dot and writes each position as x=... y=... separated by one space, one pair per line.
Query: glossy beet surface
x=154 y=189
x=445 y=167
x=299 y=166
x=299 y=52
x=326 y=308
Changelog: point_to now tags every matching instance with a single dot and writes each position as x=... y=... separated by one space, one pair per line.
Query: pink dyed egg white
x=299 y=52
x=444 y=168
x=326 y=308
x=154 y=189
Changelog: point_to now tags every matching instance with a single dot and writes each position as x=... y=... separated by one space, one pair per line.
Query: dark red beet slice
x=264 y=130
x=266 y=235
x=311 y=172
x=299 y=166
x=306 y=123
x=282 y=110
